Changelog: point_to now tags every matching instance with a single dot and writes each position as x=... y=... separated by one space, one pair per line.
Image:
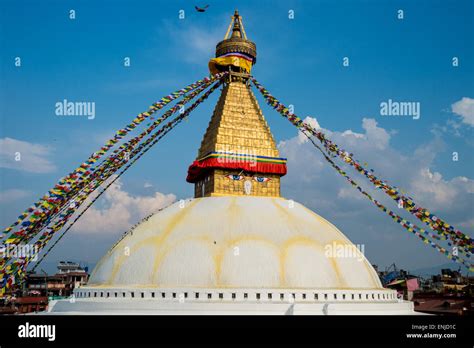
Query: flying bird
x=201 y=9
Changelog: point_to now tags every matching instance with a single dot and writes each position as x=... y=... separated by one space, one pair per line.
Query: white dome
x=234 y=242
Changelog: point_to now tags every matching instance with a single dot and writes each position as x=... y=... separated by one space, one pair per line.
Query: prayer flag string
x=444 y=230
x=48 y=203
x=17 y=268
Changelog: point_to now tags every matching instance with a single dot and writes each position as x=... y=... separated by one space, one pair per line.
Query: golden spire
x=238 y=29
x=235 y=52
x=238 y=155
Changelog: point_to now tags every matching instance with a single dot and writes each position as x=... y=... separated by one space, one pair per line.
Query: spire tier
x=238 y=155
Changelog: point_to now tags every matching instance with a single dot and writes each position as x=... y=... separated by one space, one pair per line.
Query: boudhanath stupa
x=237 y=247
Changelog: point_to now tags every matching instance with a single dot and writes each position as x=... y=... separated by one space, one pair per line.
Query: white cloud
x=375 y=135
x=32 y=157
x=442 y=194
x=300 y=153
x=313 y=182
x=405 y=171
x=432 y=184
x=465 y=109
x=351 y=133
x=313 y=123
x=13 y=195
x=120 y=210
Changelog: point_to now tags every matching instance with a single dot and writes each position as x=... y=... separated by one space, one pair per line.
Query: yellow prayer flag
x=229 y=60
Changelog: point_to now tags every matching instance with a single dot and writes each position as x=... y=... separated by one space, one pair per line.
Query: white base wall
x=147 y=307
x=232 y=301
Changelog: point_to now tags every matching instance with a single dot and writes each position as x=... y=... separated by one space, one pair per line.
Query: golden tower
x=238 y=155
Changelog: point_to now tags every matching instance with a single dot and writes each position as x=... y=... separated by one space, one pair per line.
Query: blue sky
x=299 y=61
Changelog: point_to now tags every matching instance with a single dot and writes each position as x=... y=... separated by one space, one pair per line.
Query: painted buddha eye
x=234 y=177
x=261 y=179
